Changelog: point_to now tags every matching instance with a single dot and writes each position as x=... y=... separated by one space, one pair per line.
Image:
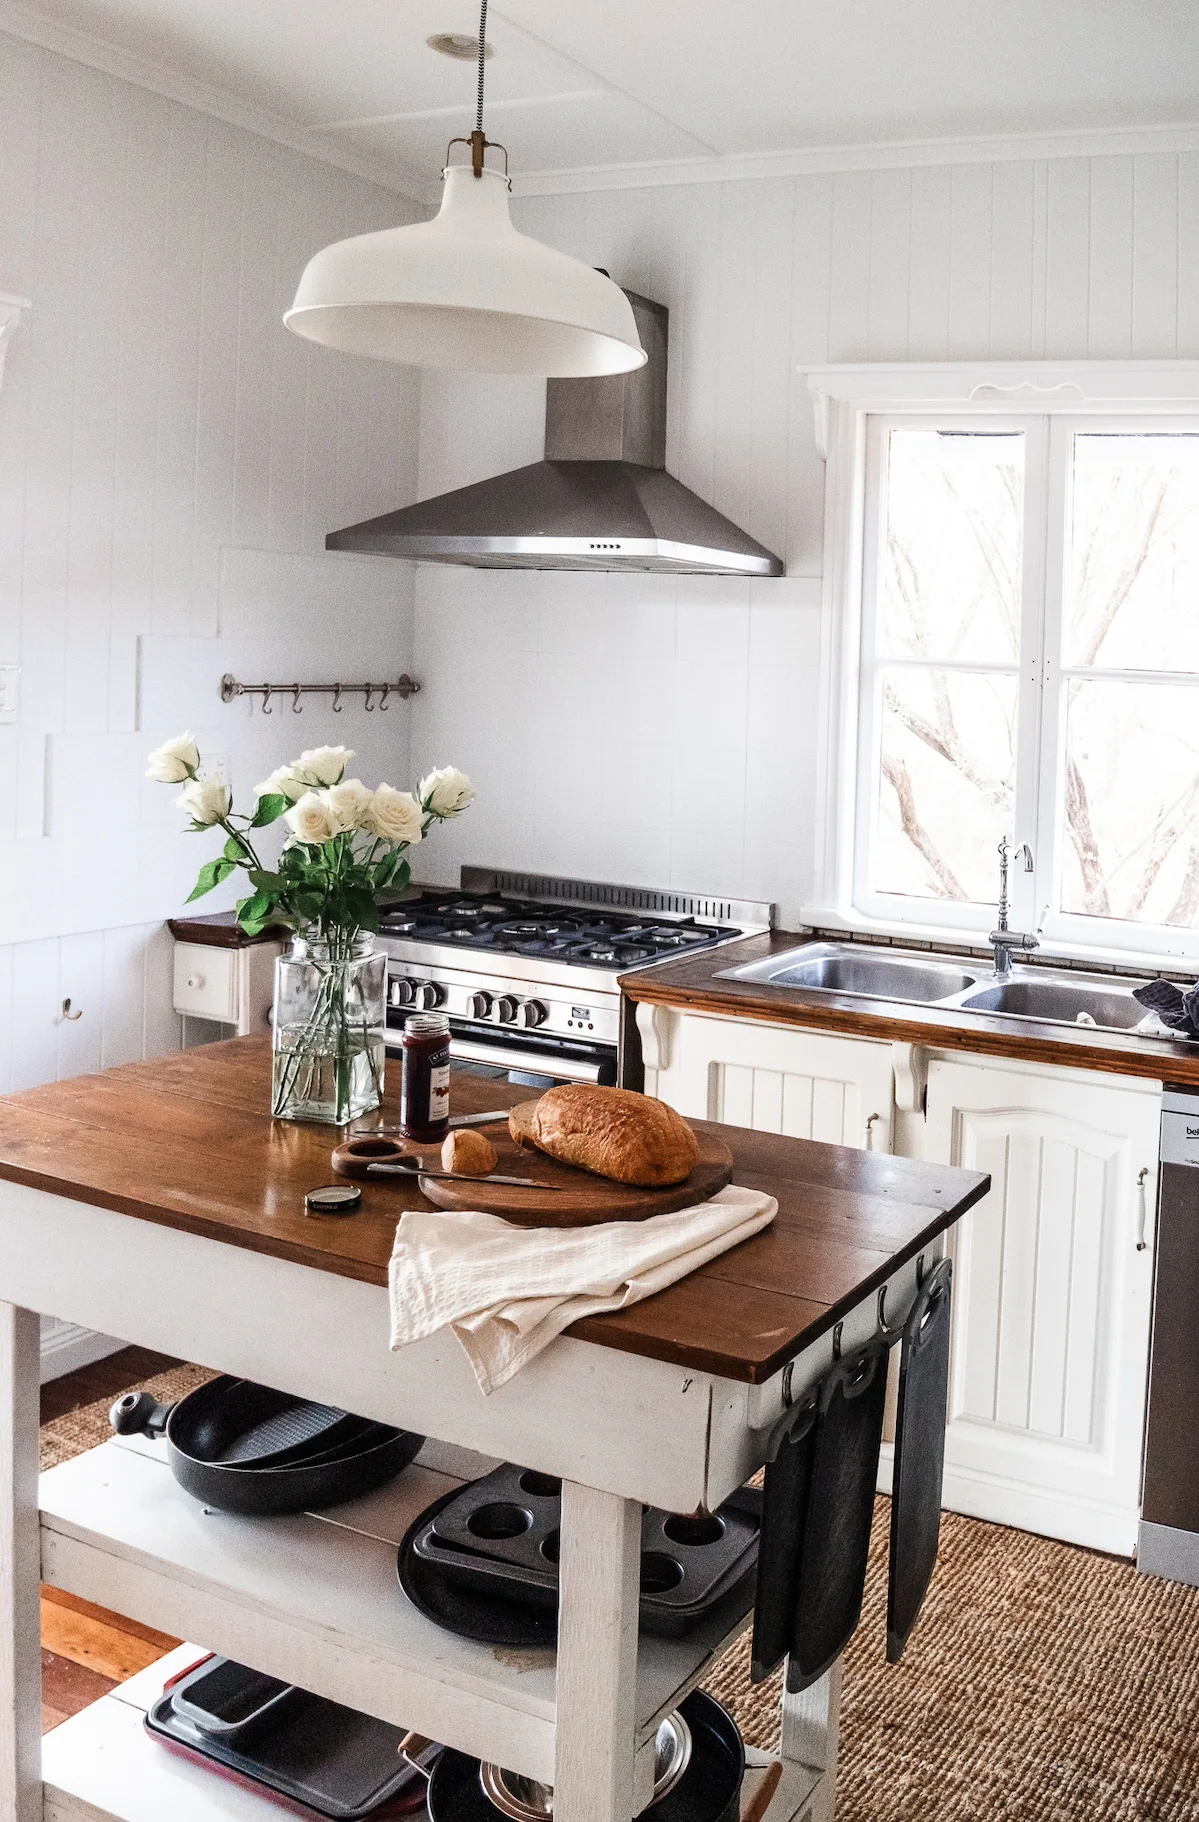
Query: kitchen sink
x=928 y=980
x=1062 y=1002
x=844 y=968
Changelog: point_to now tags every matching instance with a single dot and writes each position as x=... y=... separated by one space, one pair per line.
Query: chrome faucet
x=1001 y=939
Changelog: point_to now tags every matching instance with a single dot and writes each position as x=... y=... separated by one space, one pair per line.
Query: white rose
x=446 y=791
x=174 y=760
x=321 y=765
x=282 y=783
x=395 y=816
x=348 y=803
x=206 y=800
x=309 y=819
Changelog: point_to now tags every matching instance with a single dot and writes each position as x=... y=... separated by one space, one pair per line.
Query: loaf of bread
x=628 y=1137
x=468 y=1152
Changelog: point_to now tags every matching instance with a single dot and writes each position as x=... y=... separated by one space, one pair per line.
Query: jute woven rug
x=1043 y=1683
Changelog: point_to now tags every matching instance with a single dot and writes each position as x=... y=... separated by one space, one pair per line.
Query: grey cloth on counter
x=1174 y=1006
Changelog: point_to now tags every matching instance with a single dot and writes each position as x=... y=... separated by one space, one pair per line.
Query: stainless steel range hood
x=601 y=499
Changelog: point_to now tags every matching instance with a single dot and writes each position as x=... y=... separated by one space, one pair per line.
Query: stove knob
x=403 y=990
x=428 y=995
x=505 y=1009
x=530 y=1013
x=478 y=1005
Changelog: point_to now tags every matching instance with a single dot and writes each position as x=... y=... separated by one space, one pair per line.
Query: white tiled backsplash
x=170 y=461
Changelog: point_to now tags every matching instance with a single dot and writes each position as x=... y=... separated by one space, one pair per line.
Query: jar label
x=439 y=1093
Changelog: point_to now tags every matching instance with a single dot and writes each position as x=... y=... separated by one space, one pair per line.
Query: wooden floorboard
x=87 y=1651
x=102 y=1379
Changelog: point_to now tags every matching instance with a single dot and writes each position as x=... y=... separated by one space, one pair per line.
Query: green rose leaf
x=211 y=874
x=269 y=809
x=253 y=914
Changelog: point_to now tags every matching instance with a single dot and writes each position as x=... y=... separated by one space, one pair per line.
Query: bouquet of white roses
x=346 y=847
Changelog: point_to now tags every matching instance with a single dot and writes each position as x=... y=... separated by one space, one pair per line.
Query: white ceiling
x=580 y=84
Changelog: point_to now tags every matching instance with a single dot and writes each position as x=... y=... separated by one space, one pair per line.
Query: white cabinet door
x=1051 y=1296
x=774 y=1078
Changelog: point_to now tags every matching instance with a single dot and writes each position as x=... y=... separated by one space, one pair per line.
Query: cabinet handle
x=1142 y=1207
x=870 y=1130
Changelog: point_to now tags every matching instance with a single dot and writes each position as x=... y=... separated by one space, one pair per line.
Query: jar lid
x=428 y=1024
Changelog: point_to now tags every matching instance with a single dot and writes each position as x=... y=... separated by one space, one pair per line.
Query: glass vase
x=330 y=1021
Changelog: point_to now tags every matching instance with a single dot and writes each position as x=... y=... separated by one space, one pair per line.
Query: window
x=1019 y=655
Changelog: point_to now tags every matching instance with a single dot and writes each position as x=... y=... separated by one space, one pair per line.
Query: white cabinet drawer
x=206 y=982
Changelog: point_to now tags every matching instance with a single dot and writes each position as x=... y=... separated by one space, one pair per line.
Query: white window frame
x=854 y=406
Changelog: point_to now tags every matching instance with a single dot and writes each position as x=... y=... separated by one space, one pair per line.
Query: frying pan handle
x=139 y=1414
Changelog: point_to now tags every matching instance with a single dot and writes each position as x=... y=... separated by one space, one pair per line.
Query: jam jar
x=425 y=1078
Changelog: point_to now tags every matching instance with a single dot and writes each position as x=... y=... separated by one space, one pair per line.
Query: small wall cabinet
x=229 y=986
x=1052 y=1298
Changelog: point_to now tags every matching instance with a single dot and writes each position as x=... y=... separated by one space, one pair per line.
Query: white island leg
x=20 y=1638
x=596 y=1689
x=810 y=1724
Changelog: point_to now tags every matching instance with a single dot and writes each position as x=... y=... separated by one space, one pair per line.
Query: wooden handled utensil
x=373 y=1154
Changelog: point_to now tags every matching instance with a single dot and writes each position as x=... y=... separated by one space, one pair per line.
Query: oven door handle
x=529 y=1062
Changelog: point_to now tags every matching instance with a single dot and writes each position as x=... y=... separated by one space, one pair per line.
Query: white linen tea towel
x=508 y=1291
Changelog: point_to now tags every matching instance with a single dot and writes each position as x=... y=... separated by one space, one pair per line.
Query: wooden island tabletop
x=187 y=1141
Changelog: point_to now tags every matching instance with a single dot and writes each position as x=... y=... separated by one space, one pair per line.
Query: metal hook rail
x=404 y=687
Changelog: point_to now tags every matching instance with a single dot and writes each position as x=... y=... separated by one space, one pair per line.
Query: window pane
x=1131 y=810
x=954 y=515
x=1134 y=571
x=946 y=790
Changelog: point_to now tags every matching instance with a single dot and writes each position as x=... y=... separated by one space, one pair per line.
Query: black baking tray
x=316 y=1757
x=499 y=1536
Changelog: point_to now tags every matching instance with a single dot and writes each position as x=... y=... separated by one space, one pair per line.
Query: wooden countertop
x=690 y=983
x=221 y=930
x=186 y=1141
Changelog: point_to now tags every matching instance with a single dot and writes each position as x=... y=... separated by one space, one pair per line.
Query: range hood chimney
x=601 y=499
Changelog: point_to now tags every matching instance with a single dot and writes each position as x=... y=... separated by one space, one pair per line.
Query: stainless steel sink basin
x=871 y=974
x=931 y=980
x=1062 y=1002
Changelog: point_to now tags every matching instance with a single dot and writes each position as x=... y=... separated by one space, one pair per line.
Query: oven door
x=530 y=1057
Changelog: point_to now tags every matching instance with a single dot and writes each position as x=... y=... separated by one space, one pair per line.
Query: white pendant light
x=466 y=289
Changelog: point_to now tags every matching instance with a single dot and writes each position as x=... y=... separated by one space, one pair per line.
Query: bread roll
x=629 y=1137
x=468 y=1152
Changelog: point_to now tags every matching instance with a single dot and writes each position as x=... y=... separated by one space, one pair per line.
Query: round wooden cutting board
x=583 y=1200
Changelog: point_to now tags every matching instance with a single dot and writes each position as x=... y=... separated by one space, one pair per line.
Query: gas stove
x=526 y=965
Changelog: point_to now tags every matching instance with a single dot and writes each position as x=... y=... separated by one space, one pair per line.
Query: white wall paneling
x=170 y=461
x=660 y=730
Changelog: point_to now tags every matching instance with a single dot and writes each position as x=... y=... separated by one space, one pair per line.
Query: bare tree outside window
x=947 y=670
x=948 y=651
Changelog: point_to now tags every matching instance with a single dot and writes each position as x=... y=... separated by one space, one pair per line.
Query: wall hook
x=266 y=700
x=337 y=699
x=68 y=1014
x=888 y=1334
x=384 y=696
x=368 y=705
x=297 y=707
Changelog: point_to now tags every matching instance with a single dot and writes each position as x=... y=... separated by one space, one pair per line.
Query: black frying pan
x=249 y=1449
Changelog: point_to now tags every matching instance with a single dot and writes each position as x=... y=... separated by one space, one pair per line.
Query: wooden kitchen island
x=159 y=1202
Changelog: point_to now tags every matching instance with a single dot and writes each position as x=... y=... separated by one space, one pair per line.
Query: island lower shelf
x=315 y=1599
x=102 y=1766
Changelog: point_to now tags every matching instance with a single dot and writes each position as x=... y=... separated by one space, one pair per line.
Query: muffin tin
x=499 y=1536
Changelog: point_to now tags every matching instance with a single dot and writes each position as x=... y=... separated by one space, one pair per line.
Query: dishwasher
x=1168 y=1541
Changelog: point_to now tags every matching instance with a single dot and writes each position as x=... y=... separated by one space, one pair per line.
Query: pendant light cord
x=482 y=61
